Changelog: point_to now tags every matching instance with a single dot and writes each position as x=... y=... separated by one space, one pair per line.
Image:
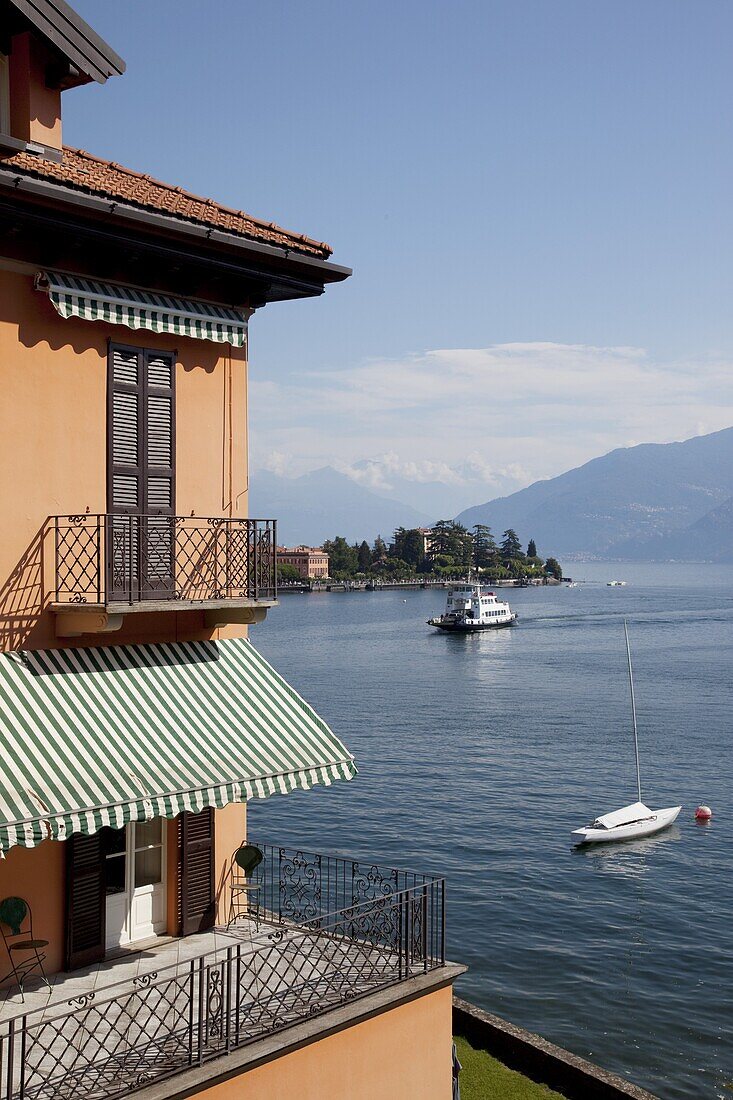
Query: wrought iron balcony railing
x=300 y=886
x=127 y=559
x=298 y=962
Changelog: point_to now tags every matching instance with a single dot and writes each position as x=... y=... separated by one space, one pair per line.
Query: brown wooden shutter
x=85 y=900
x=159 y=467
x=124 y=471
x=198 y=903
x=141 y=473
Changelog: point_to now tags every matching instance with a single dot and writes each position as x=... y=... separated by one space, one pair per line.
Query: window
x=114 y=848
x=4 y=96
x=148 y=852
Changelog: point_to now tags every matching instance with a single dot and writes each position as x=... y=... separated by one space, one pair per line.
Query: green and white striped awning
x=106 y=735
x=73 y=296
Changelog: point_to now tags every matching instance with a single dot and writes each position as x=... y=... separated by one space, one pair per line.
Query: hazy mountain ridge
x=709 y=538
x=325 y=503
x=463 y=484
x=629 y=503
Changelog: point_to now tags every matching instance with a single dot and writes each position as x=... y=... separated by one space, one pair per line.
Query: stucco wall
x=404 y=1052
x=38 y=875
x=229 y=832
x=53 y=428
x=35 y=109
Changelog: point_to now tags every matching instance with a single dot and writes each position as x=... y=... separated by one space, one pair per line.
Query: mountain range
x=325 y=503
x=653 y=502
x=463 y=483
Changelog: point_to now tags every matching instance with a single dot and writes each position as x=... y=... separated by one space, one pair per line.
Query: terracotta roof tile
x=83 y=172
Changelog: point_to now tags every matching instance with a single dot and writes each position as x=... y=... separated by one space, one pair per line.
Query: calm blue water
x=477 y=755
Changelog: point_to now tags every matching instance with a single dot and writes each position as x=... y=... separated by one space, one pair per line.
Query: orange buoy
x=703 y=813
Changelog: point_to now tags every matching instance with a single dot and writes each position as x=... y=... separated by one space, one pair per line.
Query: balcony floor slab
x=114 y=974
x=137 y=607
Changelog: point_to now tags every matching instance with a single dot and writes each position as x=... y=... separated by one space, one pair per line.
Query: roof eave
x=70 y=35
x=316 y=269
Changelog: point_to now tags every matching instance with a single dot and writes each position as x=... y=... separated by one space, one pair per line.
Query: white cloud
x=498 y=417
x=381 y=471
x=277 y=462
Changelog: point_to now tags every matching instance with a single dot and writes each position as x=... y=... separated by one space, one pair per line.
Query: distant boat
x=470 y=607
x=572 y=584
x=636 y=820
x=615 y=584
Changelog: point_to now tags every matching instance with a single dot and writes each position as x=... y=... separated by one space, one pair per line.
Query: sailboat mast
x=633 y=710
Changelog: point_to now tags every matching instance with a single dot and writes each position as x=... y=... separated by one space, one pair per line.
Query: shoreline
x=378 y=586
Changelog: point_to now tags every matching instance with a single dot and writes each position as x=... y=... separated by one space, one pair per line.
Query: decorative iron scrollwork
x=83 y=999
x=143 y=980
x=300 y=885
x=136 y=557
x=372 y=883
x=215 y=1003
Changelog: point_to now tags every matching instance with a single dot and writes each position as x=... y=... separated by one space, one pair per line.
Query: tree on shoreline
x=364 y=557
x=484 y=547
x=343 y=560
x=511 y=547
x=407 y=545
x=379 y=550
x=287 y=573
x=553 y=568
x=453 y=552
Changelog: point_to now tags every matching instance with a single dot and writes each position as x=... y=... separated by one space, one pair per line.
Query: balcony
x=108 y=566
x=325 y=932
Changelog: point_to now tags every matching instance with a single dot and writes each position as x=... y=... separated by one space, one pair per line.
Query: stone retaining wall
x=540 y=1060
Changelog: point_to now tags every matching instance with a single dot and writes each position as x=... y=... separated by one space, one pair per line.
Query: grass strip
x=483 y=1078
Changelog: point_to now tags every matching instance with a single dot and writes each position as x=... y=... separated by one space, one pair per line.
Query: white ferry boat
x=472 y=607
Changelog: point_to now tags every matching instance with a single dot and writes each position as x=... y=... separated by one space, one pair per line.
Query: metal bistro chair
x=244 y=861
x=16 y=924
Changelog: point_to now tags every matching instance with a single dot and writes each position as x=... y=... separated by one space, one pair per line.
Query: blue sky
x=535 y=198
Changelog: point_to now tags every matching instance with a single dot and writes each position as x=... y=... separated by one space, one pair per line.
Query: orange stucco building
x=310 y=561
x=136 y=719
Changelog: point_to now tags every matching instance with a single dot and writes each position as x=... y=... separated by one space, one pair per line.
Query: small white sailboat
x=636 y=820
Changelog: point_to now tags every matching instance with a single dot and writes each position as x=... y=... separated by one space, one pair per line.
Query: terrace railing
x=296 y=885
x=111 y=1042
x=106 y=559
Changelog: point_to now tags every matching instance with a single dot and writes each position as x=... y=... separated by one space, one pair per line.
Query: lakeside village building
x=137 y=722
x=310 y=561
x=427 y=540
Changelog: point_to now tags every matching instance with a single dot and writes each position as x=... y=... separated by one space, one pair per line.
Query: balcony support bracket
x=245 y=616
x=71 y=624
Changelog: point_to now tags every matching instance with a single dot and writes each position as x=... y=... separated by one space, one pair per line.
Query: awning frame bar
x=42 y=818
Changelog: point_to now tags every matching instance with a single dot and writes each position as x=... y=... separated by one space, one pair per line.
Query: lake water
x=478 y=754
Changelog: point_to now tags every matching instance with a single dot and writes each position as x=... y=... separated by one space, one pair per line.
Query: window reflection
x=148 y=832
x=148 y=867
